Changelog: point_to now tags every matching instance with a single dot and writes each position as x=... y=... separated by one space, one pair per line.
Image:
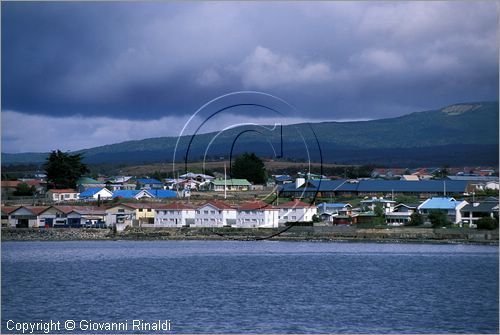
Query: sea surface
x=252 y=287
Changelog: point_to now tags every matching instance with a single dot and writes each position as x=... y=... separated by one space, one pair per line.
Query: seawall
x=422 y=235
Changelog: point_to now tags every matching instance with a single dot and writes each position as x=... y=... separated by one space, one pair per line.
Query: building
x=478 y=209
x=329 y=211
x=372 y=187
x=85 y=183
x=96 y=194
x=218 y=185
x=26 y=217
x=132 y=194
x=144 y=213
x=5 y=215
x=174 y=215
x=121 y=216
x=450 y=206
x=59 y=195
x=401 y=214
x=387 y=205
x=296 y=211
x=215 y=214
x=162 y=194
x=149 y=184
x=257 y=214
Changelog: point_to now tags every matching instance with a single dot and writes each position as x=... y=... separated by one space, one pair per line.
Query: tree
x=487 y=222
x=24 y=189
x=416 y=219
x=250 y=167
x=438 y=218
x=63 y=170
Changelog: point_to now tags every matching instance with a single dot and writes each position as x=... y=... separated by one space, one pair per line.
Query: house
x=5 y=214
x=120 y=183
x=200 y=177
x=54 y=216
x=387 y=205
x=149 y=184
x=401 y=214
x=174 y=215
x=85 y=183
x=219 y=185
x=26 y=217
x=121 y=216
x=257 y=214
x=132 y=194
x=144 y=213
x=215 y=214
x=58 y=195
x=10 y=186
x=283 y=179
x=410 y=177
x=450 y=206
x=327 y=211
x=96 y=194
x=296 y=211
x=476 y=210
x=86 y=216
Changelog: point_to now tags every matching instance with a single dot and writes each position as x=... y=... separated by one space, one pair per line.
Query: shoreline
x=401 y=235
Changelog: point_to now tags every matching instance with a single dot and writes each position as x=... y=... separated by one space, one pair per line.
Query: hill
x=461 y=134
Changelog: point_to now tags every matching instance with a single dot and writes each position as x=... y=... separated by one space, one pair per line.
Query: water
x=254 y=287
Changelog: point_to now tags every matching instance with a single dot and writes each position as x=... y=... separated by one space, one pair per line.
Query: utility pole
x=225 y=181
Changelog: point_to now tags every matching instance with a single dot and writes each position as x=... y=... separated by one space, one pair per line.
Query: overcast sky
x=78 y=75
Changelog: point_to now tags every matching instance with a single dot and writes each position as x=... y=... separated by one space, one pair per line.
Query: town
x=388 y=198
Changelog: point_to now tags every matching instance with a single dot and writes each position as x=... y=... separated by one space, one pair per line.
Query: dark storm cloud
x=332 y=60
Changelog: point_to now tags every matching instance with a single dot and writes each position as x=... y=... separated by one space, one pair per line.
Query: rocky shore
x=415 y=235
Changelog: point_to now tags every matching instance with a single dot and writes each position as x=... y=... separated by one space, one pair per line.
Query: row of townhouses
x=254 y=214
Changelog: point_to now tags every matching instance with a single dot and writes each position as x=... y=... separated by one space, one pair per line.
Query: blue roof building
x=162 y=194
x=132 y=194
x=449 y=205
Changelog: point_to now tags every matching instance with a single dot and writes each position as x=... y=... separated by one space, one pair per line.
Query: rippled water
x=255 y=287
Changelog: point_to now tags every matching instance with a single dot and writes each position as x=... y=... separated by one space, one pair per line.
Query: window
x=121 y=210
x=140 y=209
x=149 y=209
x=206 y=212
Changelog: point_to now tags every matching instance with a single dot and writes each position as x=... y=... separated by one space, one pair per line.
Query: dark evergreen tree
x=63 y=170
x=250 y=167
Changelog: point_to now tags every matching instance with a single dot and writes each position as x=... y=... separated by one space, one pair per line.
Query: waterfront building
x=296 y=211
x=174 y=215
x=449 y=205
x=257 y=214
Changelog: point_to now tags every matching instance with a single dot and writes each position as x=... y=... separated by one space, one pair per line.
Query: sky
x=77 y=75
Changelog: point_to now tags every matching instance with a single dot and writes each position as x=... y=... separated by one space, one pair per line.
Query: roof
x=163 y=193
x=87 y=180
x=128 y=193
x=334 y=205
x=440 y=203
x=196 y=175
x=63 y=190
x=148 y=181
x=295 y=204
x=474 y=178
x=372 y=185
x=283 y=178
x=34 y=210
x=373 y=200
x=231 y=182
x=409 y=206
x=410 y=177
x=174 y=206
x=92 y=191
x=8 y=210
x=255 y=205
x=139 y=205
x=217 y=204
x=480 y=207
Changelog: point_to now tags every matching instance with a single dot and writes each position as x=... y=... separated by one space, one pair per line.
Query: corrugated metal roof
x=231 y=182
x=440 y=203
x=162 y=193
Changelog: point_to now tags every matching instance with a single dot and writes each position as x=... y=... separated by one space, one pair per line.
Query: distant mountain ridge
x=460 y=134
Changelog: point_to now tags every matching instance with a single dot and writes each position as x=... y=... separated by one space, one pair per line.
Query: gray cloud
x=332 y=60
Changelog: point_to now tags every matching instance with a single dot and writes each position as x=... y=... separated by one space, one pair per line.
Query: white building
x=451 y=206
x=96 y=193
x=215 y=214
x=257 y=214
x=296 y=211
x=387 y=205
x=174 y=215
x=66 y=194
